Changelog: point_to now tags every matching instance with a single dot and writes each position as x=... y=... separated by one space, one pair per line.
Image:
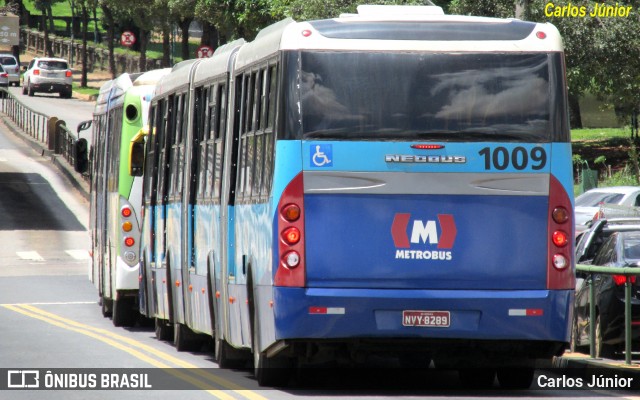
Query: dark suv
x=609 y=243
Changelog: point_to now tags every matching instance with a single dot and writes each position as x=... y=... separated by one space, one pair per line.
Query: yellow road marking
x=115 y=340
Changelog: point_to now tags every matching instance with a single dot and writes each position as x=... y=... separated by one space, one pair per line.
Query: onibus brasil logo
x=419 y=233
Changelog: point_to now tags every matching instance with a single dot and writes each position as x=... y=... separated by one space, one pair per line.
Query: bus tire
x=163 y=330
x=477 y=378
x=227 y=356
x=184 y=339
x=124 y=313
x=269 y=371
x=107 y=307
x=515 y=378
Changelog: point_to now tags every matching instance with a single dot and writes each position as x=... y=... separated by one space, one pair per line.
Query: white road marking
x=78 y=254
x=30 y=255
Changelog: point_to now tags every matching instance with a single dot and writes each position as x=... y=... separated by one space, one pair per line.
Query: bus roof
x=403 y=28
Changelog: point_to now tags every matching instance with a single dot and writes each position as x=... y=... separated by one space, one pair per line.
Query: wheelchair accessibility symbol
x=321 y=155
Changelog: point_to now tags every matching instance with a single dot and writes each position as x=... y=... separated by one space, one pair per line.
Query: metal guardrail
x=49 y=131
x=627 y=272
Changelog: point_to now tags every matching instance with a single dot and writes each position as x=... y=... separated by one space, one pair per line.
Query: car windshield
x=52 y=65
x=594 y=199
x=7 y=61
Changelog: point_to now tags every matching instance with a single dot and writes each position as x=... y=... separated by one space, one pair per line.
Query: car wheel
x=30 y=90
x=24 y=89
x=603 y=350
x=574 y=345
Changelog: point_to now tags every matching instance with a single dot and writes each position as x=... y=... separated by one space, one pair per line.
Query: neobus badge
x=426 y=233
x=408 y=158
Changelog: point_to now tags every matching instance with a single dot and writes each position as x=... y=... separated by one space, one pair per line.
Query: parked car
x=4 y=77
x=609 y=243
x=589 y=202
x=11 y=67
x=49 y=75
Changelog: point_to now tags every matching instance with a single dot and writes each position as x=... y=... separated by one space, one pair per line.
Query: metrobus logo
x=423 y=233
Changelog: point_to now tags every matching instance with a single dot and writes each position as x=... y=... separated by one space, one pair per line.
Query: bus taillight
x=291 y=265
x=129 y=241
x=560 y=273
x=126 y=212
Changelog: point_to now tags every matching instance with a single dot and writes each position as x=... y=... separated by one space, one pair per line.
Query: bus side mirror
x=81 y=155
x=83 y=126
x=136 y=153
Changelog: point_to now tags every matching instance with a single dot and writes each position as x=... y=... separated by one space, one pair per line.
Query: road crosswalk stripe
x=30 y=255
x=78 y=254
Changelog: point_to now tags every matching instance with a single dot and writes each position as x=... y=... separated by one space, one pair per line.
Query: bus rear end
x=432 y=213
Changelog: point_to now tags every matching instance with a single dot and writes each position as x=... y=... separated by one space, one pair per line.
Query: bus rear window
x=414 y=96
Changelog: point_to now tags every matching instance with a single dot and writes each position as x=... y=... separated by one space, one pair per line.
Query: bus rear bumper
x=519 y=315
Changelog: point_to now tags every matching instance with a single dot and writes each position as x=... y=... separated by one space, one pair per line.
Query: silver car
x=11 y=67
x=49 y=75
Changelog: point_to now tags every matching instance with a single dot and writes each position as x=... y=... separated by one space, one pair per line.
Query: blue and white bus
x=394 y=181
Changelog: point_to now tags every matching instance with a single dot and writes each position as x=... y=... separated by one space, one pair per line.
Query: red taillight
x=560 y=274
x=541 y=35
x=560 y=238
x=290 y=263
x=36 y=72
x=67 y=74
x=126 y=212
x=619 y=280
x=129 y=241
x=4 y=75
x=291 y=235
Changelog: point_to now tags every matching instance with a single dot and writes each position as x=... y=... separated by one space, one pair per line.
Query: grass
x=599 y=134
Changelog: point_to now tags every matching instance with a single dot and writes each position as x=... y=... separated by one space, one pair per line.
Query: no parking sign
x=204 y=51
x=127 y=38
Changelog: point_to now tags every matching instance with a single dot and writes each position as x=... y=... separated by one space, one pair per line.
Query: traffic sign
x=204 y=51
x=127 y=38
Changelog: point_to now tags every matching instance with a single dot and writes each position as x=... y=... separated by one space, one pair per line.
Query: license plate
x=429 y=319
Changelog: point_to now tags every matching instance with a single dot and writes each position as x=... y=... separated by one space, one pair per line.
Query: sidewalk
x=579 y=365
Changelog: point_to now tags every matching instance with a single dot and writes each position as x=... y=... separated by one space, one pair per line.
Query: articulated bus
x=121 y=110
x=395 y=181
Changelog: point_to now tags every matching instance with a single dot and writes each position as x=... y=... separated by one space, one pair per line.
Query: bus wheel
x=515 y=378
x=274 y=371
x=477 y=378
x=107 y=307
x=124 y=313
x=269 y=371
x=227 y=356
x=184 y=339
x=163 y=330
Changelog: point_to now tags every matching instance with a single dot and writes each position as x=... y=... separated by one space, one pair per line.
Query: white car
x=50 y=75
x=589 y=202
x=11 y=67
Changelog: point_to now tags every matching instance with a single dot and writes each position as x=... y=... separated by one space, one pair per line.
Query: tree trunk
x=48 y=50
x=210 y=36
x=85 y=28
x=144 y=38
x=110 y=38
x=167 y=51
x=575 y=118
x=184 y=27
